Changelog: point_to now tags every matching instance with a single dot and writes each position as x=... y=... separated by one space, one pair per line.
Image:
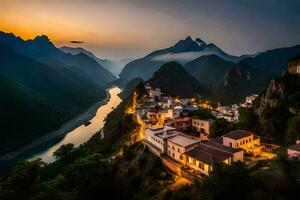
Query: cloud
x=76 y=42
x=181 y=57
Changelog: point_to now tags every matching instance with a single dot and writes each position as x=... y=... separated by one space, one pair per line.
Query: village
x=183 y=142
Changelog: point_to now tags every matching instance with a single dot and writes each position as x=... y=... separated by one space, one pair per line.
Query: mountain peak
x=42 y=38
x=200 y=42
x=188 y=38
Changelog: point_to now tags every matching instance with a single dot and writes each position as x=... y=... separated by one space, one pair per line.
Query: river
x=83 y=133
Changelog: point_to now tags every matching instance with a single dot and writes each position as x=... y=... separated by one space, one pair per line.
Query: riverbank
x=65 y=128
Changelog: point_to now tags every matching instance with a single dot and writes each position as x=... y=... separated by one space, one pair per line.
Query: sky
x=134 y=28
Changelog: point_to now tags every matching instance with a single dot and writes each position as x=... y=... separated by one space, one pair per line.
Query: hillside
x=241 y=80
x=25 y=114
x=174 y=80
x=130 y=87
x=64 y=85
x=278 y=110
x=208 y=70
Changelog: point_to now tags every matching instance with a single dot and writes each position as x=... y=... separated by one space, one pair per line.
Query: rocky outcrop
x=276 y=105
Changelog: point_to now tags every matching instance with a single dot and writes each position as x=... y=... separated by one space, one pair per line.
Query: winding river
x=83 y=133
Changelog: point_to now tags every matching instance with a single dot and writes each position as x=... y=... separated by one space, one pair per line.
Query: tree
x=22 y=180
x=227 y=181
x=220 y=127
x=202 y=113
x=293 y=130
x=247 y=119
x=64 y=151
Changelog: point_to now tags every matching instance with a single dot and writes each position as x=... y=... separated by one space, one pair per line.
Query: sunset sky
x=133 y=28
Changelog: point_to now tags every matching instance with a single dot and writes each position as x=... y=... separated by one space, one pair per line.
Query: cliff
x=278 y=107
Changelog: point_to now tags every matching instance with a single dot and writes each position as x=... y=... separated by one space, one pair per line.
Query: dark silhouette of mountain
x=130 y=87
x=241 y=80
x=208 y=70
x=174 y=80
x=58 y=84
x=274 y=60
x=182 y=52
x=25 y=114
x=53 y=82
x=114 y=66
x=41 y=49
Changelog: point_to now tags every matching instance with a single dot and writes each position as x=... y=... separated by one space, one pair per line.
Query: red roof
x=184 y=119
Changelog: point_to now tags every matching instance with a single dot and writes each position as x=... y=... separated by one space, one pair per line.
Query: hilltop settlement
x=171 y=130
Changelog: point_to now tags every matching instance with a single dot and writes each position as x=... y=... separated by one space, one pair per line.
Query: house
x=159 y=115
x=202 y=125
x=206 y=154
x=157 y=92
x=177 y=110
x=155 y=138
x=179 y=144
x=293 y=151
x=243 y=139
x=180 y=124
x=294 y=65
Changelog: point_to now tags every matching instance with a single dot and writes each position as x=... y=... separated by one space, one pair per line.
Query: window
x=201 y=165
x=173 y=155
x=180 y=157
x=178 y=150
x=173 y=148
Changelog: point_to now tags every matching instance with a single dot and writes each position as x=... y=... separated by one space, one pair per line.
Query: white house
x=155 y=138
x=179 y=144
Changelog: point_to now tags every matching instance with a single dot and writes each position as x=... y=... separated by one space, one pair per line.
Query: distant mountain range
x=228 y=78
x=182 y=52
x=114 y=66
x=49 y=86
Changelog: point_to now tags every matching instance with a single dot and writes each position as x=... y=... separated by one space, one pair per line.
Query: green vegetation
x=120 y=167
x=277 y=110
x=220 y=127
x=202 y=113
x=275 y=179
x=37 y=98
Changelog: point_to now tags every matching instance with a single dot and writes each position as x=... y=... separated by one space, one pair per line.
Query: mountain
x=130 y=87
x=208 y=70
x=41 y=49
x=241 y=80
x=24 y=115
x=278 y=110
x=114 y=66
x=174 y=80
x=274 y=60
x=182 y=52
x=47 y=88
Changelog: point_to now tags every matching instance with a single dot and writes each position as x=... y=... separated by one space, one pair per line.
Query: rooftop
x=237 y=134
x=295 y=147
x=183 y=141
x=207 y=154
x=184 y=119
x=221 y=147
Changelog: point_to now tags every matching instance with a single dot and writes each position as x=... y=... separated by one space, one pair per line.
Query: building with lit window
x=243 y=139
